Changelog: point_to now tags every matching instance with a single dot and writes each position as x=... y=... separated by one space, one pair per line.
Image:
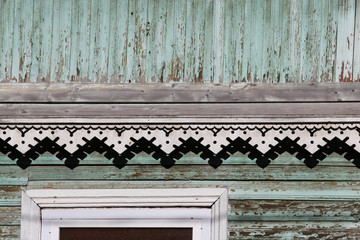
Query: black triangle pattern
x=95 y=144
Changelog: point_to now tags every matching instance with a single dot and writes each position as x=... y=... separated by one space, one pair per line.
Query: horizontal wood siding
x=202 y=41
x=288 y=201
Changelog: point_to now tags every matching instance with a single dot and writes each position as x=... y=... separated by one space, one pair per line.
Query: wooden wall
x=193 y=41
x=283 y=201
x=203 y=41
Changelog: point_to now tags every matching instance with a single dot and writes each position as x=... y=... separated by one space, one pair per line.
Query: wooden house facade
x=246 y=108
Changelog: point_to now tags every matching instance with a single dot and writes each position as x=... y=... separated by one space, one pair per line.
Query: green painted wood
x=238 y=190
x=10 y=232
x=286 y=211
x=10 y=196
x=13 y=175
x=7 y=10
x=256 y=210
x=345 y=41
x=203 y=41
x=356 y=55
x=10 y=216
x=293 y=230
x=191 y=172
x=188 y=159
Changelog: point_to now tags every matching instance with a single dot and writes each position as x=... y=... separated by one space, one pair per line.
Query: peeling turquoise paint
x=208 y=41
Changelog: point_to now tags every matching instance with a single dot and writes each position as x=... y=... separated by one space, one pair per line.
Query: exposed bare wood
x=282 y=211
x=169 y=93
x=67 y=112
x=10 y=232
x=10 y=216
x=239 y=190
x=194 y=172
x=294 y=230
x=258 y=210
x=10 y=195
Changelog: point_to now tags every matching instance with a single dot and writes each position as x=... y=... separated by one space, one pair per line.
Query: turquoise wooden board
x=202 y=41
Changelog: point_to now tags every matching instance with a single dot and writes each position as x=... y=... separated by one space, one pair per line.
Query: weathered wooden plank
x=55 y=43
x=272 y=41
x=293 y=230
x=208 y=61
x=284 y=211
x=46 y=22
x=190 y=158
x=238 y=190
x=345 y=41
x=26 y=26
x=356 y=54
x=257 y=210
x=328 y=26
x=136 y=51
x=180 y=40
x=103 y=41
x=275 y=41
x=10 y=232
x=189 y=41
x=17 y=46
x=294 y=41
x=115 y=93
x=74 y=44
x=94 y=42
x=170 y=40
x=35 y=42
x=13 y=175
x=187 y=172
x=10 y=196
x=7 y=29
x=285 y=55
x=117 y=41
x=83 y=51
x=10 y=216
x=218 y=40
x=177 y=112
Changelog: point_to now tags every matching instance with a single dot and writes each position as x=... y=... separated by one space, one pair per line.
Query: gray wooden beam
x=172 y=93
x=210 y=110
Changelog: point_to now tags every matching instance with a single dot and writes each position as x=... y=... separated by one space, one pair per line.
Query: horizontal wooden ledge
x=238 y=190
x=181 y=111
x=168 y=93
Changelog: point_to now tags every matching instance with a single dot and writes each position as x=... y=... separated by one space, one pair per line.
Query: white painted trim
x=214 y=198
x=30 y=218
x=199 y=219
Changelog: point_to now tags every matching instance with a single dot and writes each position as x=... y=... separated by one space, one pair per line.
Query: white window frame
x=36 y=200
x=199 y=219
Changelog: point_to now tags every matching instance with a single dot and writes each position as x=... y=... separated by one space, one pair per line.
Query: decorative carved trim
x=168 y=143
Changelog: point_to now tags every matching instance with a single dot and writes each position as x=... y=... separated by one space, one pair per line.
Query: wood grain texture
x=10 y=232
x=256 y=210
x=270 y=111
x=356 y=54
x=238 y=190
x=286 y=211
x=203 y=41
x=10 y=196
x=169 y=93
x=193 y=172
x=293 y=230
x=10 y=216
x=285 y=160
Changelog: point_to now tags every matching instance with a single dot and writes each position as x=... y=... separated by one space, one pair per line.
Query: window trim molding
x=36 y=199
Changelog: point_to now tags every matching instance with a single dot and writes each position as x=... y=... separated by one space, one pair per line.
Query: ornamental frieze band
x=168 y=143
